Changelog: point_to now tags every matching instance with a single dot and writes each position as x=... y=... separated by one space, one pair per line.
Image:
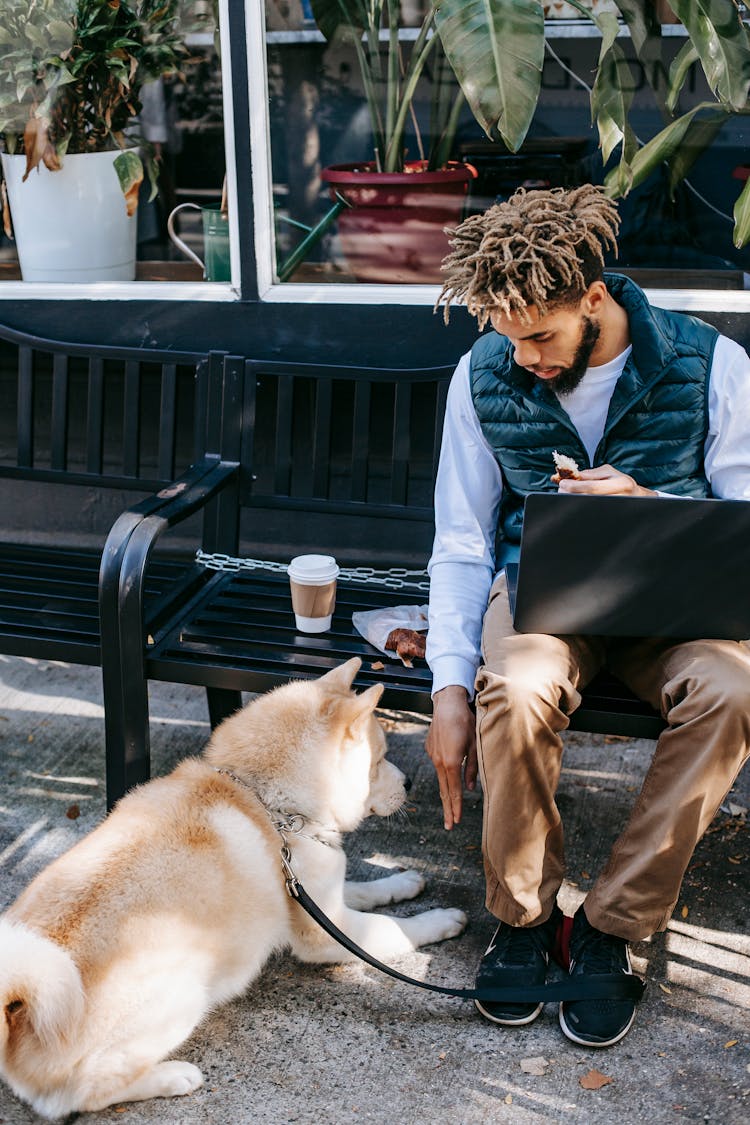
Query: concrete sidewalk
x=341 y=1045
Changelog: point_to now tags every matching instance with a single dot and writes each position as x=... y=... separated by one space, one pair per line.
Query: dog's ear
x=343 y=676
x=360 y=707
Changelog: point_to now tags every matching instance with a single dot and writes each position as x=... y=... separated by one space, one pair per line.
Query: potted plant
x=392 y=228
x=71 y=73
x=495 y=49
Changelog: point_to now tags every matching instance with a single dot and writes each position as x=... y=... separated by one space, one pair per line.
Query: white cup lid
x=315 y=570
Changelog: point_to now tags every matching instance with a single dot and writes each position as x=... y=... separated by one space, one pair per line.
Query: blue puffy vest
x=656 y=424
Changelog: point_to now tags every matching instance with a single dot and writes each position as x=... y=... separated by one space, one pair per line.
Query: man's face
x=556 y=348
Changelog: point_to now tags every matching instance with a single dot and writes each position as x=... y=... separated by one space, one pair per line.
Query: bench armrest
x=126 y=523
x=132 y=538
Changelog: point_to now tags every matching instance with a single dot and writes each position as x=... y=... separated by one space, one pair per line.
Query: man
x=646 y=402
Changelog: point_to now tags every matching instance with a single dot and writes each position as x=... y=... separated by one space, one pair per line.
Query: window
x=318 y=118
x=60 y=107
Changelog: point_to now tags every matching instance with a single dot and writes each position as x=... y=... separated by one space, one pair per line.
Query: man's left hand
x=604 y=481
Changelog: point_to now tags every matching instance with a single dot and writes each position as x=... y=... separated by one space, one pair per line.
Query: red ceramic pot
x=392 y=230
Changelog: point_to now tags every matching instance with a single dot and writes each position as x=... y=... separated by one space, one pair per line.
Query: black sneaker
x=596 y=1023
x=517 y=956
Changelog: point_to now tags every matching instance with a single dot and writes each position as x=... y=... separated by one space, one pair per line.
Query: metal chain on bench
x=397 y=578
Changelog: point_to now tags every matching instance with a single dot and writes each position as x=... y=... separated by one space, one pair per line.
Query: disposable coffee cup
x=312 y=579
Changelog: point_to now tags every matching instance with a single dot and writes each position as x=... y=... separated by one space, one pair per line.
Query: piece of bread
x=565 y=467
x=407 y=643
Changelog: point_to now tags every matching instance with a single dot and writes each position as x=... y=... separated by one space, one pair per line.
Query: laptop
x=622 y=566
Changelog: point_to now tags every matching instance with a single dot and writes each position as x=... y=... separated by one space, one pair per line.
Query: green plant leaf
x=610 y=98
x=645 y=33
x=721 y=40
x=700 y=133
x=129 y=170
x=61 y=34
x=496 y=49
x=37 y=37
x=645 y=30
x=659 y=149
x=342 y=18
x=742 y=217
x=678 y=72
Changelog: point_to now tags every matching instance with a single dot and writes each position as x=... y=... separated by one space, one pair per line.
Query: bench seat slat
x=65 y=624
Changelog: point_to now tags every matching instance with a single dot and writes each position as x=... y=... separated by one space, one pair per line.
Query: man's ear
x=593 y=299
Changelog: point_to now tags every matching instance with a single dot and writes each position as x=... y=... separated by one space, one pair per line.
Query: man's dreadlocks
x=540 y=248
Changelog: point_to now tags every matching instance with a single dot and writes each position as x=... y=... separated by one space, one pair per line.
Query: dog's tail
x=41 y=992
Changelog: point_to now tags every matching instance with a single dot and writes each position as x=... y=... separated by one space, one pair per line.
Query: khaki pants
x=526 y=688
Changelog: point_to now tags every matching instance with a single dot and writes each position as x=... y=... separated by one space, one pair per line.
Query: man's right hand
x=452 y=746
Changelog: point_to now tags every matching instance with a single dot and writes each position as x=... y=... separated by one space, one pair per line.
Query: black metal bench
x=312 y=457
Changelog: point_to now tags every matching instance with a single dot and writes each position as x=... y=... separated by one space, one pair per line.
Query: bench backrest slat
x=167 y=420
x=249 y=418
x=95 y=416
x=360 y=441
x=131 y=424
x=283 y=435
x=401 y=444
x=25 y=409
x=59 y=423
x=321 y=464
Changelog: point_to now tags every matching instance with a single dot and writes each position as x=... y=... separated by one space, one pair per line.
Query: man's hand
x=452 y=746
x=604 y=481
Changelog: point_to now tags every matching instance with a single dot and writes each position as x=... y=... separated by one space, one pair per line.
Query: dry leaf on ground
x=73 y=812
x=594 y=1080
x=537 y=1065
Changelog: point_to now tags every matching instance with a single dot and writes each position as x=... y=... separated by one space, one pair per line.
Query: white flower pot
x=71 y=225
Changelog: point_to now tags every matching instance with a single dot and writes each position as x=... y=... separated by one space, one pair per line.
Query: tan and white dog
x=115 y=952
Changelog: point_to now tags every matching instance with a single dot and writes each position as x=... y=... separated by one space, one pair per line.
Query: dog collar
x=284 y=822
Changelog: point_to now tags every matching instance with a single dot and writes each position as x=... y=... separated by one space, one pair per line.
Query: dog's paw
x=437 y=925
x=179 y=1078
x=406 y=884
x=455 y=921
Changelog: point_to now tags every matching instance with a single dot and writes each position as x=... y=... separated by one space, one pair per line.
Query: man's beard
x=568 y=379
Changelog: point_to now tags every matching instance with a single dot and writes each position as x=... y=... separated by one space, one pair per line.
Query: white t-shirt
x=469 y=487
x=588 y=404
